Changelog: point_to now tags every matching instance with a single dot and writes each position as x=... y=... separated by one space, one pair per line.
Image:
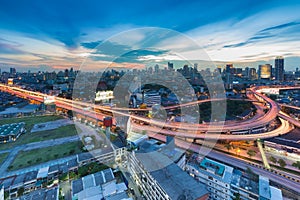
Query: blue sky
x=58 y=34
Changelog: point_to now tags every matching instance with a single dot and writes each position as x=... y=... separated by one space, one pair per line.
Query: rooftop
x=19 y=180
x=171 y=152
x=122 y=195
x=215 y=167
x=43 y=172
x=216 y=170
x=14 y=110
x=49 y=194
x=53 y=169
x=264 y=187
x=92 y=181
x=11 y=129
x=30 y=176
x=170 y=177
x=84 y=157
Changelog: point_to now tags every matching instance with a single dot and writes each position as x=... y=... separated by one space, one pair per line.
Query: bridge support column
x=107 y=133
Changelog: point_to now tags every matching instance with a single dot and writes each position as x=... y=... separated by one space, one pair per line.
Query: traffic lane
x=282 y=129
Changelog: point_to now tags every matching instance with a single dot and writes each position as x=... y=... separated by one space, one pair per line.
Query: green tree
x=251 y=174
x=296 y=164
x=251 y=153
x=237 y=196
x=20 y=191
x=281 y=162
x=273 y=160
x=228 y=146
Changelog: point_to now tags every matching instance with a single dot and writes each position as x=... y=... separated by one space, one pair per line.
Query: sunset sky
x=52 y=35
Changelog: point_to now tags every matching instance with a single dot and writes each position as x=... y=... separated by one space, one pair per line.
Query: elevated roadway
x=182 y=129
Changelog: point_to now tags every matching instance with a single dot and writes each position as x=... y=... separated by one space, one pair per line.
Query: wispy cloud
x=62 y=33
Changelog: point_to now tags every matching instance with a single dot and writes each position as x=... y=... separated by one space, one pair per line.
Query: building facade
x=279 y=69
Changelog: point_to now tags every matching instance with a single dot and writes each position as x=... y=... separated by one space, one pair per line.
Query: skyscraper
x=156 y=68
x=170 y=66
x=252 y=73
x=195 y=66
x=279 y=68
x=12 y=71
x=265 y=71
x=229 y=68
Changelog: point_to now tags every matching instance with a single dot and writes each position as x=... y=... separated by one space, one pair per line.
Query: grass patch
x=37 y=156
x=91 y=168
x=3 y=156
x=30 y=121
x=63 y=131
x=233 y=109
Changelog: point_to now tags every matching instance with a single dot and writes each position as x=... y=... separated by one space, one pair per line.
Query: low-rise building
x=49 y=194
x=101 y=185
x=225 y=183
x=10 y=132
x=152 y=98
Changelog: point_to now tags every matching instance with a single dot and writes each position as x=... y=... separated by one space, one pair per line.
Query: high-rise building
x=196 y=66
x=279 y=68
x=219 y=69
x=170 y=66
x=252 y=73
x=265 y=71
x=229 y=68
x=246 y=72
x=12 y=71
x=156 y=68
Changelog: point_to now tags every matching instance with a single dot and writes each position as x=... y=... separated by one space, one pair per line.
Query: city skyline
x=60 y=35
x=138 y=100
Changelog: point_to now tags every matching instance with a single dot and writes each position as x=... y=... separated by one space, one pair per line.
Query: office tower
x=228 y=76
x=279 y=68
x=229 y=68
x=252 y=73
x=297 y=73
x=196 y=67
x=66 y=73
x=150 y=70
x=246 y=72
x=12 y=70
x=265 y=71
x=237 y=71
x=156 y=68
x=170 y=66
x=219 y=69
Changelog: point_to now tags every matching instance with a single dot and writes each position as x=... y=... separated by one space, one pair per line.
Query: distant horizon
x=177 y=65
